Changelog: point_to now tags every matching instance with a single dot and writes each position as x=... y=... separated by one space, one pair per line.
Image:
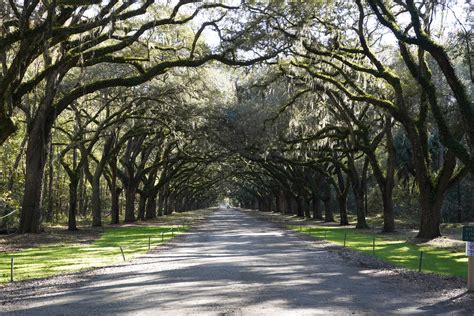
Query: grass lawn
x=59 y=258
x=394 y=250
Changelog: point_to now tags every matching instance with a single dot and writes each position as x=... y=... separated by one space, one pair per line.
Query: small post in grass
x=12 y=266
x=373 y=246
x=468 y=237
x=172 y=232
x=123 y=255
x=421 y=261
x=149 y=243
x=470 y=274
x=345 y=237
x=162 y=236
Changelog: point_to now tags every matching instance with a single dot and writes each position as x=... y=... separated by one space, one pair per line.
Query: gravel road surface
x=234 y=264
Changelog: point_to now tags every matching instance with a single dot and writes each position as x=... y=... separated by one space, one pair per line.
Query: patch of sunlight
x=393 y=249
x=69 y=257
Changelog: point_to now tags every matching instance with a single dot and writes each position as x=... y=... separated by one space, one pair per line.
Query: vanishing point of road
x=236 y=264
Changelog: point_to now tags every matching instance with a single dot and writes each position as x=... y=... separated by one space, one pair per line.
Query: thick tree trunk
x=36 y=154
x=166 y=204
x=161 y=198
x=130 y=192
x=151 y=208
x=171 y=204
x=30 y=219
x=160 y=206
x=142 y=206
x=328 y=215
x=115 y=207
x=432 y=197
x=342 y=201
x=430 y=215
x=317 y=213
x=388 y=215
x=359 y=199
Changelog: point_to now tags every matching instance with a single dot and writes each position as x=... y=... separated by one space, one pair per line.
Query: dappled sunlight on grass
x=62 y=258
x=393 y=250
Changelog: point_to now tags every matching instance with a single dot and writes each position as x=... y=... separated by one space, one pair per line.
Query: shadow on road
x=235 y=263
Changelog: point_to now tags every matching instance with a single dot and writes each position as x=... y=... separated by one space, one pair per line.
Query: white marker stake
x=470 y=265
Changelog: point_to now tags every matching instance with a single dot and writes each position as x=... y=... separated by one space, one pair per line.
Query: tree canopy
x=129 y=110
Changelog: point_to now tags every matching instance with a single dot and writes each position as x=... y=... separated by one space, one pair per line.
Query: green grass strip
x=396 y=251
x=63 y=258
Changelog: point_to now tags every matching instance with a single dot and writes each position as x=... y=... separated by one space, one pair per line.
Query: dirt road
x=235 y=264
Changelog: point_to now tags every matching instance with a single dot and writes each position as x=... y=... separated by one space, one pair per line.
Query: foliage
x=141 y=109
